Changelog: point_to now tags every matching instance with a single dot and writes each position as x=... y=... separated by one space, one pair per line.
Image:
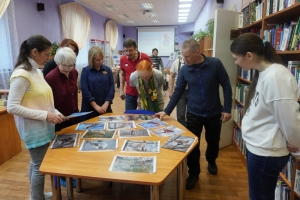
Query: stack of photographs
x=118 y=118
x=136 y=164
x=64 y=141
x=120 y=125
x=91 y=126
x=153 y=123
x=137 y=146
x=91 y=134
x=167 y=131
x=99 y=145
x=139 y=117
x=129 y=133
x=179 y=143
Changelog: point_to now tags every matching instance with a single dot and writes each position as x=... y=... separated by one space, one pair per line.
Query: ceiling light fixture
x=184 y=5
x=185 y=0
x=109 y=7
x=130 y=21
x=181 y=20
x=123 y=16
x=184 y=10
x=183 y=14
x=146 y=6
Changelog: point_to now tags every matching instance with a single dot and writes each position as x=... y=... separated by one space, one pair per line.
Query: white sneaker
x=47 y=196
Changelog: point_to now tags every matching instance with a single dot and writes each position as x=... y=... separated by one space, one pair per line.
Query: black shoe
x=191 y=182
x=212 y=168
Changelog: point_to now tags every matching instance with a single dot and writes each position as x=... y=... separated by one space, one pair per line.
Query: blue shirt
x=203 y=80
x=96 y=86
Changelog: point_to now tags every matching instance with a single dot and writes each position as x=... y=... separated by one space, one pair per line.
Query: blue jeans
x=181 y=108
x=130 y=102
x=37 y=180
x=262 y=175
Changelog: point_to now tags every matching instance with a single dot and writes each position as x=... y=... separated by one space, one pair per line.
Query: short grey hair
x=191 y=44
x=93 y=52
x=65 y=55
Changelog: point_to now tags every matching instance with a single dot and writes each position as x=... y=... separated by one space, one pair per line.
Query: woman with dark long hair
x=31 y=102
x=271 y=121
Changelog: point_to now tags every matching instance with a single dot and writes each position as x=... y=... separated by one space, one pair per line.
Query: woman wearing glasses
x=50 y=65
x=97 y=85
x=63 y=81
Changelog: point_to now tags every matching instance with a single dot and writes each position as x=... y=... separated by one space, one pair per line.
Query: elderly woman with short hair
x=149 y=82
x=63 y=81
x=97 y=85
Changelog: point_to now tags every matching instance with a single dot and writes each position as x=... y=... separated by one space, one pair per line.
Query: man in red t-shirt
x=128 y=64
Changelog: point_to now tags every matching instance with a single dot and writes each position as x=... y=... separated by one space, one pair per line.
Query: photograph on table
x=179 y=143
x=138 y=117
x=153 y=123
x=167 y=131
x=99 y=145
x=135 y=164
x=120 y=125
x=91 y=134
x=119 y=118
x=126 y=133
x=64 y=141
x=91 y=126
x=138 y=146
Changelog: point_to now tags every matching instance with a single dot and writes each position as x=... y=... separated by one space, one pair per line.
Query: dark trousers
x=212 y=125
x=262 y=175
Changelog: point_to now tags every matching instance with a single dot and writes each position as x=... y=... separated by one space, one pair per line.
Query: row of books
x=287 y=171
x=294 y=68
x=238 y=114
x=246 y=74
x=251 y=13
x=242 y=90
x=237 y=135
x=282 y=191
x=284 y=37
x=274 y=6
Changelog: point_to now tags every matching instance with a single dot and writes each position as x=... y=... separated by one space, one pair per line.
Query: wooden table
x=69 y=163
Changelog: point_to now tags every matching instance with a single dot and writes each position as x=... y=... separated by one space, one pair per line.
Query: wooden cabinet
x=10 y=143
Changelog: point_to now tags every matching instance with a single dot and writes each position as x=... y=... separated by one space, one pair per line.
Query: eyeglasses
x=67 y=66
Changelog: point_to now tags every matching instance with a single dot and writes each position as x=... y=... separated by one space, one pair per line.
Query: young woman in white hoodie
x=271 y=122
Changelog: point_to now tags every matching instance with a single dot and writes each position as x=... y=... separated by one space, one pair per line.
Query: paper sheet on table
x=77 y=114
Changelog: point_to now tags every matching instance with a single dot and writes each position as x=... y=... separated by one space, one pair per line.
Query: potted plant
x=199 y=35
x=55 y=46
x=210 y=27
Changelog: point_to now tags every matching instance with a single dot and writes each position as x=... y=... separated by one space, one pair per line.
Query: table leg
x=70 y=188
x=78 y=185
x=56 y=192
x=154 y=192
x=181 y=179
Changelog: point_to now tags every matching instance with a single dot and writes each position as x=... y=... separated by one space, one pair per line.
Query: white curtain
x=9 y=46
x=111 y=35
x=3 y=6
x=75 y=23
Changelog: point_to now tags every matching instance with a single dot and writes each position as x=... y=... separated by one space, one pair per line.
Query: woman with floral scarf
x=149 y=82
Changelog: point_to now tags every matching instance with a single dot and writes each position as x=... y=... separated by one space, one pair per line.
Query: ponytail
x=23 y=57
x=38 y=42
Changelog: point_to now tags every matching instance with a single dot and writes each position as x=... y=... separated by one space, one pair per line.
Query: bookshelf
x=270 y=21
